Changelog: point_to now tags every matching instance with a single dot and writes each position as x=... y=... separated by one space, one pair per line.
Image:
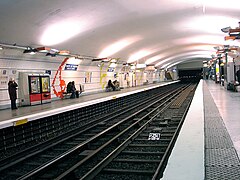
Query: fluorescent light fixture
x=113 y=65
x=32 y=53
x=43 y=49
x=52 y=52
x=30 y=50
x=226 y=29
x=113 y=60
x=64 y=52
x=150 y=68
x=74 y=60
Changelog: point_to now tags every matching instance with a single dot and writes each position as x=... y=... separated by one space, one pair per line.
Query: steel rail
x=68 y=153
x=86 y=127
x=94 y=171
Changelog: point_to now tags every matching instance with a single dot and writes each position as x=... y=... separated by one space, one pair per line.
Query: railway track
x=99 y=150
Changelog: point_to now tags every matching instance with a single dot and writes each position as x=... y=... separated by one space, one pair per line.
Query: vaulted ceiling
x=155 y=32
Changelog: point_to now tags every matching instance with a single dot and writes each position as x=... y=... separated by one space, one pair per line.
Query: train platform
x=30 y=113
x=208 y=146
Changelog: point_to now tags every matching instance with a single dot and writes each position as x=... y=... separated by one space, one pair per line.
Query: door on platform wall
x=132 y=78
x=139 y=77
x=221 y=72
x=162 y=76
x=168 y=75
x=225 y=74
x=149 y=76
x=237 y=68
x=121 y=79
x=230 y=72
x=145 y=77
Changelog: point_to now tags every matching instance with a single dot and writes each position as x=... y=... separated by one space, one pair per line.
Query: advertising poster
x=35 y=85
x=3 y=82
x=45 y=84
x=4 y=79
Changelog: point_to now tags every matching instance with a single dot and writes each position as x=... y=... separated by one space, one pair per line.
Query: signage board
x=71 y=67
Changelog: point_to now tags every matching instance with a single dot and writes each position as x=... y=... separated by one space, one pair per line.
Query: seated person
x=116 y=84
x=111 y=85
x=71 y=89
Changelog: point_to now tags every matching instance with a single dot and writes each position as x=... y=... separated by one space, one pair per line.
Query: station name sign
x=71 y=67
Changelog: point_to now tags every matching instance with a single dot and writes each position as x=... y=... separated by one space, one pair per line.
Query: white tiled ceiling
x=152 y=31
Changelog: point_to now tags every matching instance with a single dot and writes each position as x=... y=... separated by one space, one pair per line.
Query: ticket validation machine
x=34 y=89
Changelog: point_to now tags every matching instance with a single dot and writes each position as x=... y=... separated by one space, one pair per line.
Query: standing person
x=206 y=74
x=12 y=90
x=238 y=75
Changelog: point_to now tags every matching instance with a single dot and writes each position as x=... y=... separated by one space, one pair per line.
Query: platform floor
x=8 y=116
x=228 y=104
x=208 y=146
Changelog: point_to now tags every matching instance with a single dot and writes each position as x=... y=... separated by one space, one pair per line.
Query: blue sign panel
x=71 y=67
x=110 y=69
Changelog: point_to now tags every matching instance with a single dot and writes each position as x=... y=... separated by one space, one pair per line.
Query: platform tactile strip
x=221 y=159
x=217 y=142
x=216 y=132
x=222 y=173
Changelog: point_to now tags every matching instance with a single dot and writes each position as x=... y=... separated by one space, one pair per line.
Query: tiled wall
x=13 y=61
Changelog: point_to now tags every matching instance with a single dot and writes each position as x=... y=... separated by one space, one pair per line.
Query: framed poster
x=3 y=81
x=45 y=84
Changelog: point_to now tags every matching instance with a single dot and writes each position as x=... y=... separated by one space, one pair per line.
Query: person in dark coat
x=69 y=87
x=238 y=75
x=12 y=90
x=73 y=90
x=111 y=85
